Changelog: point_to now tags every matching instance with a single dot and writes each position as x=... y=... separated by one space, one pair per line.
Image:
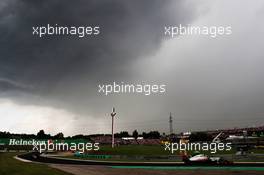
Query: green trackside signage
x=6 y=141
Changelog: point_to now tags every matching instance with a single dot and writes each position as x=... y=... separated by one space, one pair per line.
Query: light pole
x=113 y=136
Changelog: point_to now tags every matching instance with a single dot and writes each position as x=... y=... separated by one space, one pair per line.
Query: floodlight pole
x=113 y=136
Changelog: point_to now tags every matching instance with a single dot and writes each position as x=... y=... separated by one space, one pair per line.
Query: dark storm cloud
x=211 y=82
x=65 y=68
x=128 y=29
x=6 y=85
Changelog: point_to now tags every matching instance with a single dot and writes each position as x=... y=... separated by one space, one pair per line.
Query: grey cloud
x=7 y=84
x=210 y=82
x=68 y=69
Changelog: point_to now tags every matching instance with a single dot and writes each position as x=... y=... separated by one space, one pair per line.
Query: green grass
x=124 y=159
x=135 y=150
x=157 y=153
x=151 y=150
x=11 y=166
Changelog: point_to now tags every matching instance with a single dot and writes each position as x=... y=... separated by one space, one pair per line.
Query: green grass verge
x=123 y=159
x=151 y=152
x=135 y=150
x=11 y=166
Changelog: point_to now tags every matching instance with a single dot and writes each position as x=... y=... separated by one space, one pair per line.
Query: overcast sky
x=51 y=83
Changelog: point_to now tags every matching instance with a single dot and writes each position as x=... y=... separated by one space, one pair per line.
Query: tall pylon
x=113 y=135
x=171 y=126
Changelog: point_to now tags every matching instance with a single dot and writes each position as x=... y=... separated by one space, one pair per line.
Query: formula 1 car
x=203 y=159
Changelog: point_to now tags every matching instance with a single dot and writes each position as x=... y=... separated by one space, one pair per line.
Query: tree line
x=42 y=135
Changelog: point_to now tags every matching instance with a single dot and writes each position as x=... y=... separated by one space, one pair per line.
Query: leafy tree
x=41 y=134
x=122 y=134
x=135 y=134
x=151 y=135
x=59 y=136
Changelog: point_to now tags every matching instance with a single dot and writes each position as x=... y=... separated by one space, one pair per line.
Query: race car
x=204 y=160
